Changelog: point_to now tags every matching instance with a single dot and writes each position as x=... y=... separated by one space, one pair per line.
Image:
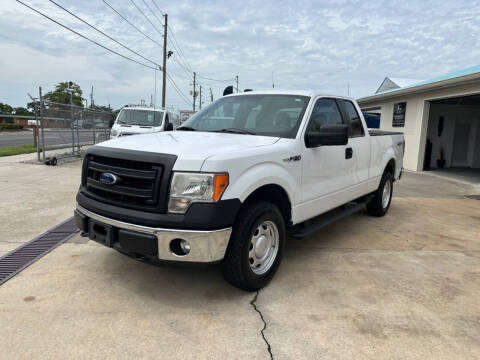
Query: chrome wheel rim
x=263 y=247
x=387 y=191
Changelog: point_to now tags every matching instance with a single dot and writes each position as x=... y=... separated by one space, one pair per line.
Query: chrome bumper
x=206 y=246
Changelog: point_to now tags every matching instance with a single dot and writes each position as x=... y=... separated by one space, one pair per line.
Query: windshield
x=270 y=115
x=140 y=117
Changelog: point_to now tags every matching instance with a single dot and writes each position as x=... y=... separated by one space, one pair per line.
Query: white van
x=142 y=120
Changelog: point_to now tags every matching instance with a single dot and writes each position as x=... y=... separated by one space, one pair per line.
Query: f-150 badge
x=293 y=158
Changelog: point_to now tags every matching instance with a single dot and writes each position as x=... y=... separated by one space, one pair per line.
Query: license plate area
x=101 y=233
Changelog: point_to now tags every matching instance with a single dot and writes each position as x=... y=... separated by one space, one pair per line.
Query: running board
x=325 y=219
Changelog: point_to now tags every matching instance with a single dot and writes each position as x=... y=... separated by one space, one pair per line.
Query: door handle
x=348 y=153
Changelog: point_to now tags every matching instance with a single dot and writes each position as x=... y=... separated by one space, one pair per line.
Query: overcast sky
x=322 y=45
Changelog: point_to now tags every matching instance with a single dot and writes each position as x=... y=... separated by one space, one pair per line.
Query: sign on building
x=399 y=110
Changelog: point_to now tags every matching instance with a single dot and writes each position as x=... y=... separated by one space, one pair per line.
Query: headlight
x=113 y=132
x=187 y=188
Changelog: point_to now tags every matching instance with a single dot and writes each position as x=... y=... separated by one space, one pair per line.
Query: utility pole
x=194 y=89
x=200 y=102
x=236 y=78
x=41 y=121
x=36 y=140
x=164 y=60
x=91 y=98
x=71 y=120
x=211 y=95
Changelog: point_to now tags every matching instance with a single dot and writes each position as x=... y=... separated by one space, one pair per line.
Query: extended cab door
x=358 y=149
x=324 y=168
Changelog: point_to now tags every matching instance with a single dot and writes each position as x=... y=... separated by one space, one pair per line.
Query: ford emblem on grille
x=108 y=178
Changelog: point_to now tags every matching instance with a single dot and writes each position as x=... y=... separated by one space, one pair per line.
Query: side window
x=325 y=112
x=355 y=127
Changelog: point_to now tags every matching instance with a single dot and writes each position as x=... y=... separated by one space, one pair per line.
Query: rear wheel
x=380 y=203
x=256 y=246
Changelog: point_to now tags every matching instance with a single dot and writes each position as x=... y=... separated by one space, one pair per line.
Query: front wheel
x=380 y=203
x=256 y=246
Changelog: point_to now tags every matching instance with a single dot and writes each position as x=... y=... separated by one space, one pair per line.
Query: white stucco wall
x=416 y=118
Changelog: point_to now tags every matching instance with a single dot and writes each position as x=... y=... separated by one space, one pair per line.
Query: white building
x=440 y=118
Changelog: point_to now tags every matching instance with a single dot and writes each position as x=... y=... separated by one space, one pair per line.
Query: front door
x=323 y=168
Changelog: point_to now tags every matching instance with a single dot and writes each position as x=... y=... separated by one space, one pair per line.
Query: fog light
x=179 y=247
x=185 y=246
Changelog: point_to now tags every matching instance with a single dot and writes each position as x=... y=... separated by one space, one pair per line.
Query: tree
x=21 y=111
x=31 y=106
x=61 y=94
x=5 y=109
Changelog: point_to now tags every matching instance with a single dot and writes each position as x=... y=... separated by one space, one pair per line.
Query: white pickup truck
x=235 y=179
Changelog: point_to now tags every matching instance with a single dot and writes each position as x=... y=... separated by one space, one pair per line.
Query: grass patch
x=23 y=149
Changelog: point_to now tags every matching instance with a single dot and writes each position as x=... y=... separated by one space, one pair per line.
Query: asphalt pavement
x=52 y=137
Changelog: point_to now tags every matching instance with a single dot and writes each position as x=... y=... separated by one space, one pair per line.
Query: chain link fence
x=68 y=127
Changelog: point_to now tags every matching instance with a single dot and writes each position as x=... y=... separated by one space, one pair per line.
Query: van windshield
x=140 y=117
x=268 y=115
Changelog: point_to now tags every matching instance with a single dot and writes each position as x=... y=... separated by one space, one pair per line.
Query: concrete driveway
x=403 y=286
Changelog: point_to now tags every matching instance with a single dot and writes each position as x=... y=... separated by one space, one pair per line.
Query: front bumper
x=205 y=245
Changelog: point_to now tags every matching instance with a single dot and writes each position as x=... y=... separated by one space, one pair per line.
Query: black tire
x=236 y=264
x=376 y=207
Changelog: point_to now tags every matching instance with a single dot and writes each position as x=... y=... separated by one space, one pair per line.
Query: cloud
x=313 y=45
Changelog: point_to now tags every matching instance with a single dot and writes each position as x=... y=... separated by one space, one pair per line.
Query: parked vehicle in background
x=235 y=179
x=132 y=120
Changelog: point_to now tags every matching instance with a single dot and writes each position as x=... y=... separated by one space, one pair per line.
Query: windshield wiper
x=236 y=131
x=186 y=128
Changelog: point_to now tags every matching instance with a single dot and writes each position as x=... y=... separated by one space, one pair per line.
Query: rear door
x=357 y=153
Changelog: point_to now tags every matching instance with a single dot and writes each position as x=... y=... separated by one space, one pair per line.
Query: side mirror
x=329 y=135
x=228 y=90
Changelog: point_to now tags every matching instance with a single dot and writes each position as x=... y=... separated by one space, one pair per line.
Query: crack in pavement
x=253 y=302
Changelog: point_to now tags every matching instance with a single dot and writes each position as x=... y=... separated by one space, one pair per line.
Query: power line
x=150 y=9
x=207 y=78
x=173 y=40
x=183 y=61
x=108 y=36
x=160 y=11
x=182 y=66
x=180 y=50
x=175 y=86
x=145 y=16
x=84 y=37
x=131 y=24
x=179 y=92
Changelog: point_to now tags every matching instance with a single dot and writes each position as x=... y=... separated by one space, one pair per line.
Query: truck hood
x=133 y=129
x=191 y=148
